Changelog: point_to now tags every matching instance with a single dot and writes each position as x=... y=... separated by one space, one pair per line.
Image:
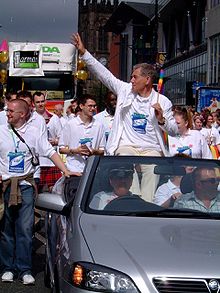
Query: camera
x=35 y=158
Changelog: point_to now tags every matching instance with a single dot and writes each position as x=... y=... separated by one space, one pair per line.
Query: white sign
x=25 y=60
x=55 y=56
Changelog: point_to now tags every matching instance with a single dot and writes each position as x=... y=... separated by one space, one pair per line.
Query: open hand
x=77 y=42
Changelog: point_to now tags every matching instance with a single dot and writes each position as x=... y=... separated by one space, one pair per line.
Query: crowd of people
x=137 y=120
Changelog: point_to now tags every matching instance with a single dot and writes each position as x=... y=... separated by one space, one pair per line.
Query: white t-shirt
x=216 y=126
x=15 y=158
x=101 y=199
x=63 y=121
x=211 y=135
x=164 y=192
x=138 y=130
x=192 y=144
x=75 y=133
x=106 y=119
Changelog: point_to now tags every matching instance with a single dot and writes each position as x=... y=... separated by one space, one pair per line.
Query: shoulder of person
x=54 y=117
x=195 y=132
x=160 y=98
x=100 y=114
x=97 y=121
x=37 y=116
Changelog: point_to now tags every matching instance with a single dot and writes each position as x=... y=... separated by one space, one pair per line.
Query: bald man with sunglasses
x=205 y=196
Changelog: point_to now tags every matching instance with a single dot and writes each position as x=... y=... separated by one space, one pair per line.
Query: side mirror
x=51 y=202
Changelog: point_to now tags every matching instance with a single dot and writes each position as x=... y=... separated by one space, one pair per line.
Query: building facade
x=93 y=15
x=182 y=36
x=172 y=28
x=212 y=34
x=132 y=37
x=187 y=32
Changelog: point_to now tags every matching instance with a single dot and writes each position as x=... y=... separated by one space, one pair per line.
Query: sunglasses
x=210 y=180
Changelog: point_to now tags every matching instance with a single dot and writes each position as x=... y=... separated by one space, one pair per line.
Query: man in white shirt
x=120 y=180
x=58 y=110
x=36 y=120
x=204 y=195
x=82 y=136
x=168 y=192
x=18 y=143
x=141 y=115
x=49 y=173
x=106 y=117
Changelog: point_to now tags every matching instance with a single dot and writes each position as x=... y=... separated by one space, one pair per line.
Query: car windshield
x=151 y=186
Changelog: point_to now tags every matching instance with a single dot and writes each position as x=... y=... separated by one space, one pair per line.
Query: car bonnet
x=154 y=247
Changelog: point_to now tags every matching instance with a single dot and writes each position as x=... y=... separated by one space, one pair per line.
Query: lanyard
x=16 y=142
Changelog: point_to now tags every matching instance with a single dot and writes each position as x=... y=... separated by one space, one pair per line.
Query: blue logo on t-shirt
x=139 y=122
x=185 y=150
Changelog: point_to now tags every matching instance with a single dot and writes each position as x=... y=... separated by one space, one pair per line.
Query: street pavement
x=38 y=271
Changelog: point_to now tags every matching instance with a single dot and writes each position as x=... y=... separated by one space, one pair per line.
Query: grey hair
x=147 y=70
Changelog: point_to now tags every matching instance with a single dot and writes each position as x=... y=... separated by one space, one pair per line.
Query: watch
x=162 y=123
x=103 y=61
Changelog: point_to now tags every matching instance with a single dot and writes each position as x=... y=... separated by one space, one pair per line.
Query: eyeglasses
x=91 y=106
x=210 y=180
x=12 y=111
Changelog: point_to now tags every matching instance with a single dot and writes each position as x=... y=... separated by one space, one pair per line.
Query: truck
x=46 y=67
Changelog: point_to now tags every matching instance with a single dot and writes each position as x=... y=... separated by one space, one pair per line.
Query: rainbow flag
x=160 y=82
x=160 y=91
x=214 y=151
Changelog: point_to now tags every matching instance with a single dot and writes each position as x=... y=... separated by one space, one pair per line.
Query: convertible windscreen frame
x=175 y=164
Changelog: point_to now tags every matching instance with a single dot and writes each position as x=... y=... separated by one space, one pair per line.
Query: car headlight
x=103 y=279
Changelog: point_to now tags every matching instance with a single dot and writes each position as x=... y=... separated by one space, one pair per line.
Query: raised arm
x=101 y=72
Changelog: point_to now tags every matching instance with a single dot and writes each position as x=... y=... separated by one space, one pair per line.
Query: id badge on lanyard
x=16 y=158
x=16 y=162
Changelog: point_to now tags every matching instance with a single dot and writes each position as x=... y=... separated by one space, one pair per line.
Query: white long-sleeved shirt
x=9 y=142
x=165 y=191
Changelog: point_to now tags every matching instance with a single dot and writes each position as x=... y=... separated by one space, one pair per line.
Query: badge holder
x=34 y=160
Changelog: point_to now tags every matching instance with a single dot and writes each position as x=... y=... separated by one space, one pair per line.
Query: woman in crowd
x=188 y=141
x=216 y=120
x=211 y=136
x=198 y=122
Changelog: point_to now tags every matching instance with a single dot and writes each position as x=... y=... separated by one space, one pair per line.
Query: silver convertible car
x=135 y=224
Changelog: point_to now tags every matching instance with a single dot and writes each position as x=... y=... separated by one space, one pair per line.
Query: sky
x=40 y=20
